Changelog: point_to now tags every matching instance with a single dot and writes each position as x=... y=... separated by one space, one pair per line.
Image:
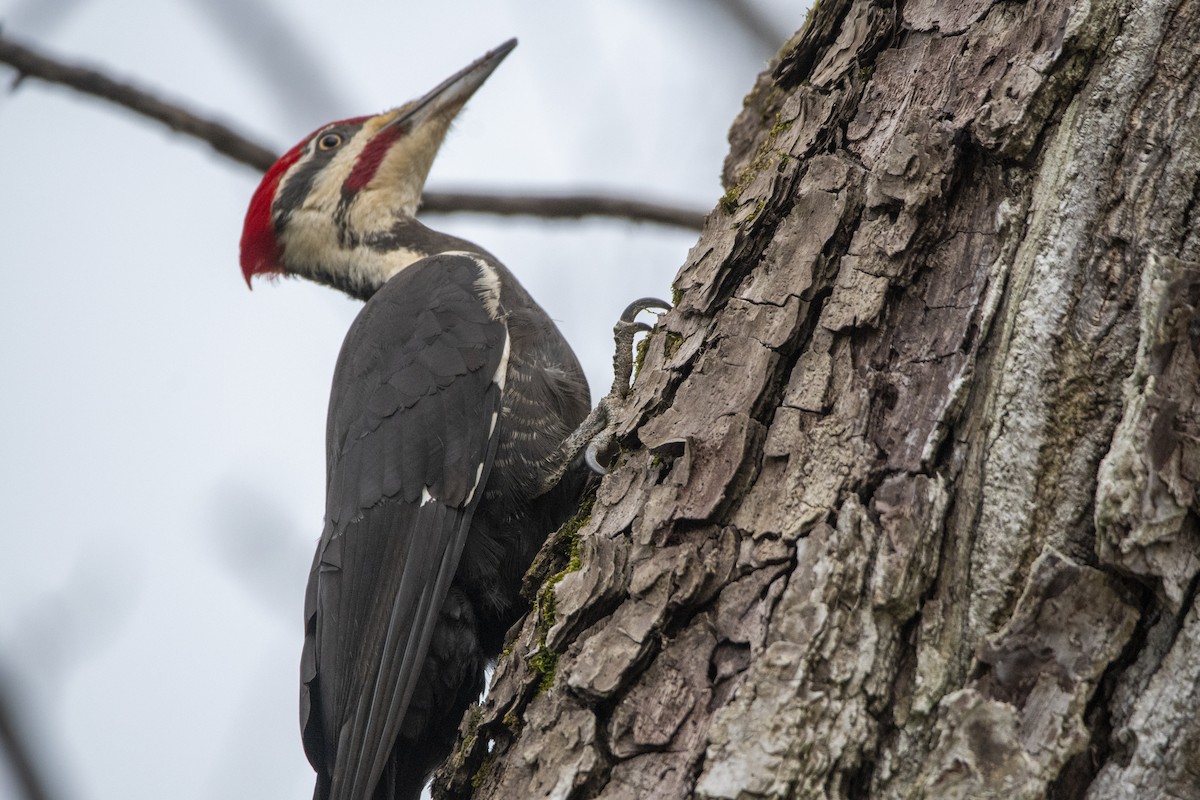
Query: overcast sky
x=162 y=478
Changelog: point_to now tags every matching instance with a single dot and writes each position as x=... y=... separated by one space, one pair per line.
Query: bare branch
x=562 y=206
x=231 y=144
x=222 y=138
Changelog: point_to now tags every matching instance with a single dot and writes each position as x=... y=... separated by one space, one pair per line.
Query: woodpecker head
x=330 y=207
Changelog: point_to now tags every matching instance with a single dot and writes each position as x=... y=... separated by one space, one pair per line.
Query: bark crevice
x=924 y=412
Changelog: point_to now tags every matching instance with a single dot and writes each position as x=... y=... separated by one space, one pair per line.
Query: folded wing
x=411 y=438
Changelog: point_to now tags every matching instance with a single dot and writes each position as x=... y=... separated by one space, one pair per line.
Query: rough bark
x=908 y=505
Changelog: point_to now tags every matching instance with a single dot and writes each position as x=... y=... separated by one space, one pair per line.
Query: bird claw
x=624 y=331
x=626 y=328
x=643 y=304
x=596 y=435
x=591 y=456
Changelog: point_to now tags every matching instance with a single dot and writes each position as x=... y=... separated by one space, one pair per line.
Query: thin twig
x=231 y=144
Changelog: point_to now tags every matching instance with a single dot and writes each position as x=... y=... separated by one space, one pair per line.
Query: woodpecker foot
x=626 y=328
x=624 y=331
x=595 y=437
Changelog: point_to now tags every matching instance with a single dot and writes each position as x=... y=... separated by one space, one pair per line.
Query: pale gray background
x=161 y=481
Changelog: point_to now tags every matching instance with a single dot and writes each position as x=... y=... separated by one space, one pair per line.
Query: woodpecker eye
x=330 y=141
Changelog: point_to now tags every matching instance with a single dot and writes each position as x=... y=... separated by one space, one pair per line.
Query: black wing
x=411 y=438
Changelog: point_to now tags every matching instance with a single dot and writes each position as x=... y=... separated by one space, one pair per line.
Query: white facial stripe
x=335 y=172
x=326 y=191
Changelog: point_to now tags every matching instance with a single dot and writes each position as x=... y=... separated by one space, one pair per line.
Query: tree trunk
x=908 y=505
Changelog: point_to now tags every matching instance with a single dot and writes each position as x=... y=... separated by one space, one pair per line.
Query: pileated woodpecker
x=451 y=397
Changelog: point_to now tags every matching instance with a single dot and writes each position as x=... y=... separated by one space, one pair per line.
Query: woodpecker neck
x=360 y=267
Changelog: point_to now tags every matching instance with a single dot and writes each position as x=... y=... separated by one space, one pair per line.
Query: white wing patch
x=488 y=284
x=478 y=475
x=502 y=368
x=488 y=287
